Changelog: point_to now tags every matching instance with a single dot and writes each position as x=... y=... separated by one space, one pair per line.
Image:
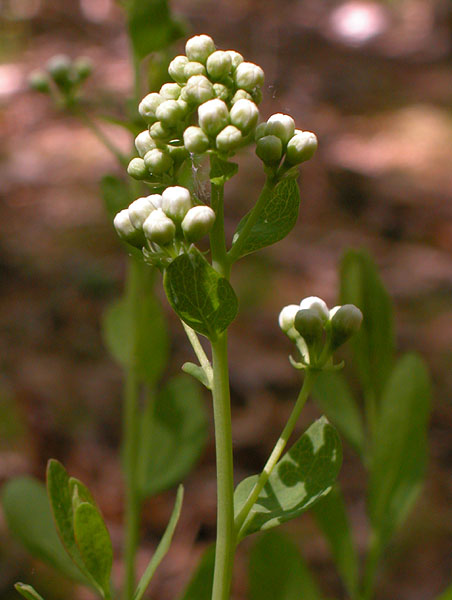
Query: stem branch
x=199 y=351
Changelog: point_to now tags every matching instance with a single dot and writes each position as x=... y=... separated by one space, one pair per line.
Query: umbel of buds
x=318 y=331
x=61 y=74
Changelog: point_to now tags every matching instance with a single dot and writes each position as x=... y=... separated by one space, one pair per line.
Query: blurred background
x=374 y=81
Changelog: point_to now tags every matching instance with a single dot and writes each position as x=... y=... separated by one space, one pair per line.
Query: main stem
x=225 y=545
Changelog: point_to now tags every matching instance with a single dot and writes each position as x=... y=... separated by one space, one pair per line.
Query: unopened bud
x=60 y=67
x=241 y=95
x=139 y=211
x=286 y=320
x=223 y=92
x=176 y=68
x=301 y=147
x=176 y=202
x=345 y=321
x=169 y=113
x=229 y=139
x=126 y=230
x=177 y=153
x=309 y=325
x=213 y=116
x=219 y=64
x=158 y=161
x=159 y=228
x=197 y=223
x=236 y=58
x=269 y=149
x=137 y=169
x=316 y=304
x=148 y=107
x=39 y=82
x=194 y=68
x=283 y=126
x=170 y=91
x=260 y=131
x=198 y=90
x=83 y=68
x=244 y=115
x=248 y=76
x=199 y=48
x=195 y=140
x=144 y=143
x=160 y=133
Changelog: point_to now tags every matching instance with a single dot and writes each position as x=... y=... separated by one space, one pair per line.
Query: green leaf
x=374 y=344
x=276 y=220
x=115 y=194
x=151 y=26
x=400 y=449
x=162 y=548
x=199 y=295
x=27 y=591
x=221 y=170
x=134 y=329
x=200 y=585
x=173 y=434
x=277 y=571
x=303 y=475
x=197 y=372
x=29 y=517
x=335 y=399
x=93 y=541
x=332 y=519
x=78 y=490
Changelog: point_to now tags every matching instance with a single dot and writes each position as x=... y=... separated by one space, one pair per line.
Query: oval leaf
x=200 y=296
x=304 y=474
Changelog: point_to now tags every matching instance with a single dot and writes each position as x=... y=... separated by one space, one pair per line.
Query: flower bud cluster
x=163 y=225
x=318 y=331
x=62 y=74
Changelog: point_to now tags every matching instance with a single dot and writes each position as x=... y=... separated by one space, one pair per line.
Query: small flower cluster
x=318 y=331
x=278 y=138
x=164 y=225
x=62 y=73
x=218 y=87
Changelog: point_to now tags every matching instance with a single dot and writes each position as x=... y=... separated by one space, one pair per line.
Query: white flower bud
x=137 y=168
x=123 y=225
x=176 y=202
x=345 y=322
x=139 y=211
x=236 y=58
x=283 y=126
x=333 y=311
x=199 y=47
x=184 y=106
x=198 y=90
x=39 y=81
x=213 y=116
x=195 y=140
x=176 y=68
x=178 y=153
x=59 y=67
x=287 y=317
x=160 y=133
x=317 y=305
x=159 y=228
x=229 y=139
x=197 y=223
x=219 y=64
x=223 y=92
x=144 y=143
x=248 y=76
x=301 y=147
x=169 y=113
x=309 y=325
x=148 y=106
x=244 y=115
x=269 y=149
x=241 y=95
x=158 y=161
x=170 y=91
x=194 y=68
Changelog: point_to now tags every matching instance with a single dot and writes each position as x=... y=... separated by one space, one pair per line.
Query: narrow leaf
x=27 y=591
x=199 y=295
x=277 y=571
x=221 y=170
x=332 y=518
x=303 y=475
x=201 y=583
x=276 y=220
x=335 y=398
x=197 y=372
x=76 y=487
x=173 y=434
x=162 y=548
x=400 y=450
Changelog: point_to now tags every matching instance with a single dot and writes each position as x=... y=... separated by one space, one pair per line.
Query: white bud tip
x=176 y=202
x=287 y=317
x=316 y=304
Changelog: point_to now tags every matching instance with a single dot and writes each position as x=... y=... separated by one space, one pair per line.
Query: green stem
x=217 y=239
x=265 y=195
x=225 y=544
x=277 y=450
x=371 y=567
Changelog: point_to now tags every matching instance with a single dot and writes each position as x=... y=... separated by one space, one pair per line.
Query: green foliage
x=200 y=585
x=276 y=220
x=277 y=571
x=221 y=170
x=29 y=517
x=162 y=548
x=199 y=295
x=173 y=434
x=27 y=591
x=400 y=449
x=303 y=475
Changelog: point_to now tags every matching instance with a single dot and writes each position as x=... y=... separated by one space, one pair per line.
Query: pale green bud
x=244 y=115
x=184 y=106
x=229 y=139
x=286 y=320
x=213 y=116
x=177 y=153
x=83 y=68
x=223 y=92
x=39 y=82
x=283 y=126
x=60 y=67
x=269 y=149
x=260 y=131
x=317 y=305
x=195 y=140
x=309 y=325
x=137 y=169
x=158 y=228
x=194 y=68
x=248 y=76
x=160 y=133
x=144 y=143
x=199 y=47
x=197 y=223
x=139 y=211
x=169 y=113
x=345 y=321
x=176 y=68
x=176 y=202
x=158 y=161
x=236 y=58
x=198 y=90
x=301 y=147
x=241 y=95
x=170 y=91
x=149 y=105
x=219 y=64
x=126 y=231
